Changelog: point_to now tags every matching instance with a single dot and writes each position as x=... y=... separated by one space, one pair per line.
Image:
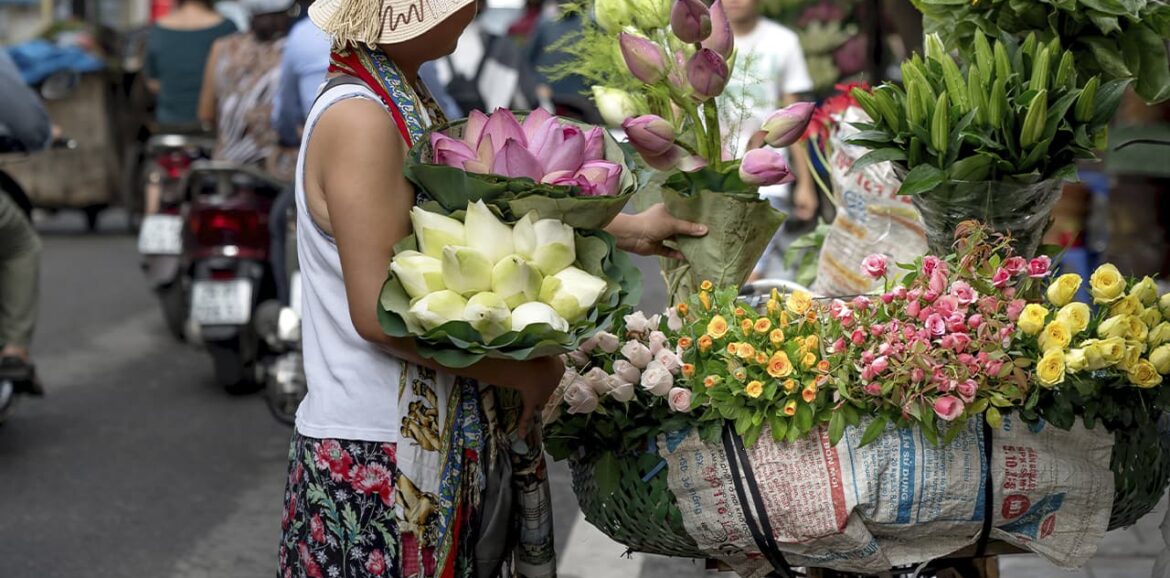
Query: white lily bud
x=572 y=292
x=492 y=237
x=419 y=274
x=549 y=243
x=438 y=308
x=489 y=315
x=537 y=312
x=516 y=280
x=435 y=231
x=466 y=271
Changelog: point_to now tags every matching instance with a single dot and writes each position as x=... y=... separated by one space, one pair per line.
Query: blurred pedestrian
x=770 y=72
x=176 y=51
x=24 y=127
x=240 y=83
x=566 y=95
x=304 y=64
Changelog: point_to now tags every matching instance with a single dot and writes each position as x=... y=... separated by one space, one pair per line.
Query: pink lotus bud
x=448 y=151
x=595 y=144
x=650 y=135
x=949 y=408
x=643 y=57
x=785 y=126
x=764 y=167
x=1039 y=267
x=721 y=40
x=690 y=20
x=875 y=266
x=707 y=72
x=515 y=161
x=501 y=126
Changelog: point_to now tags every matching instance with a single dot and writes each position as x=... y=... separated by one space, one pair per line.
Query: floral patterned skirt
x=339 y=516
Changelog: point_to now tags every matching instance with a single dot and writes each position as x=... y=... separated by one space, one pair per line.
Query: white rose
x=608 y=342
x=680 y=399
x=669 y=360
x=622 y=392
x=637 y=323
x=626 y=371
x=638 y=354
x=598 y=379
x=579 y=358
x=673 y=321
x=657 y=341
x=581 y=397
x=657 y=379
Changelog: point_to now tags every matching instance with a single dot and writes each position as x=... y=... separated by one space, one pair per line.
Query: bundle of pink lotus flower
x=542 y=147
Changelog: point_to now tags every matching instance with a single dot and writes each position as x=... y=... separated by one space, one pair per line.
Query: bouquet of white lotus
x=468 y=285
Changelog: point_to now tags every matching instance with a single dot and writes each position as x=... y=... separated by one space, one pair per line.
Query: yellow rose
x=763 y=324
x=790 y=408
x=812 y=342
x=1164 y=305
x=776 y=336
x=1144 y=375
x=809 y=394
x=1063 y=289
x=790 y=385
x=1113 y=327
x=746 y=326
x=1050 y=369
x=705 y=299
x=780 y=366
x=1076 y=316
x=1106 y=284
x=1076 y=360
x=707 y=286
x=1136 y=330
x=809 y=360
x=1146 y=291
x=1129 y=305
x=1032 y=318
x=1159 y=334
x=754 y=389
x=1160 y=357
x=717 y=328
x=1113 y=350
x=1056 y=335
x=1133 y=354
x=745 y=351
x=1151 y=316
x=799 y=302
x=1095 y=355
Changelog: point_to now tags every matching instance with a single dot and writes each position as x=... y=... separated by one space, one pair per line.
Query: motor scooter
x=278 y=321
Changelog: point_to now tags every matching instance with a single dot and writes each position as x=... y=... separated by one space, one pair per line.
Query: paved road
x=137 y=466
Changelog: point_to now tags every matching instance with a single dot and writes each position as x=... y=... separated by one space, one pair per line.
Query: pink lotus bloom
x=1015 y=308
x=501 y=126
x=765 y=167
x=485 y=157
x=473 y=128
x=599 y=178
x=1039 y=267
x=450 y=152
x=1015 y=265
x=515 y=161
x=560 y=147
x=963 y=291
x=948 y=407
x=595 y=144
x=534 y=122
x=875 y=266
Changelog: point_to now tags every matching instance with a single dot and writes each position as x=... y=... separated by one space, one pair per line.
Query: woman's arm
x=351 y=160
x=207 y=94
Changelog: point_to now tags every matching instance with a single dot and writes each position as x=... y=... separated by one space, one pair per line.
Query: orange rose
x=809 y=394
x=732 y=347
x=823 y=365
x=683 y=309
x=739 y=312
x=790 y=385
x=790 y=408
x=776 y=336
x=740 y=374
x=754 y=389
x=705 y=343
x=780 y=366
x=746 y=326
x=745 y=351
x=712 y=380
x=706 y=286
x=763 y=324
x=761 y=358
x=717 y=327
x=688 y=370
x=685 y=342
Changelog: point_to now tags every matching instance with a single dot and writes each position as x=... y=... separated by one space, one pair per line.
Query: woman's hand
x=644 y=233
x=540 y=378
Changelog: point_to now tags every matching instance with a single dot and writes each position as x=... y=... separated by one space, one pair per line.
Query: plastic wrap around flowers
x=559 y=168
x=469 y=285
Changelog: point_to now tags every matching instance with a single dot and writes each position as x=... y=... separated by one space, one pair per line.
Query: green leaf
x=351 y=523
x=836 y=427
x=752 y=436
x=875 y=429
x=804 y=418
x=921 y=179
x=1153 y=73
x=608 y=474
x=878 y=156
x=779 y=427
x=994 y=418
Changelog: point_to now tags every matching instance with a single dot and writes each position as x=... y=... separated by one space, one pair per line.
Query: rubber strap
x=988 y=492
x=761 y=529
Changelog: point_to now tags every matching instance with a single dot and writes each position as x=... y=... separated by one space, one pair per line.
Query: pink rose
x=948 y=407
x=862 y=303
x=669 y=360
x=875 y=266
x=657 y=341
x=638 y=354
x=626 y=371
x=881 y=364
x=608 y=342
x=858 y=337
x=638 y=323
x=1001 y=278
x=938 y=283
x=581 y=397
x=1038 y=267
x=936 y=325
x=680 y=399
x=989 y=305
x=874 y=389
x=917 y=375
x=867 y=357
x=994 y=367
x=962 y=341
x=913 y=309
x=975 y=321
x=929 y=264
x=962 y=291
x=887 y=298
x=657 y=379
x=1015 y=308
x=589 y=345
x=839 y=345
x=1015 y=265
x=673 y=321
x=877 y=330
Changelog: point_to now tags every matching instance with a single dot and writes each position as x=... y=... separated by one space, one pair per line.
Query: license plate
x=161 y=235
x=294 y=294
x=221 y=302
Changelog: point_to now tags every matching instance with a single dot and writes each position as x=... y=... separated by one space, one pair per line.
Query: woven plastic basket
x=644 y=516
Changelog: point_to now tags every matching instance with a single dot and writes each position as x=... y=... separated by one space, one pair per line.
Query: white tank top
x=353 y=385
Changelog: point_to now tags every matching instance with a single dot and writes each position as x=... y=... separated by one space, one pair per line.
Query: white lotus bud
x=572 y=292
x=466 y=271
x=548 y=242
x=537 y=312
x=438 y=308
x=435 y=231
x=492 y=237
x=419 y=274
x=489 y=315
x=516 y=280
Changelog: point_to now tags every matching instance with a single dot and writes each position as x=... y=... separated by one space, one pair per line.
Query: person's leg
x=20 y=259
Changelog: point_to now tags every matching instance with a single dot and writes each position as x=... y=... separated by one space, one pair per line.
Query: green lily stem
x=701 y=138
x=816 y=175
x=715 y=142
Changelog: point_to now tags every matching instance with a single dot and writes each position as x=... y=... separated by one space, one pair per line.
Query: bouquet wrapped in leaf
x=558 y=168
x=469 y=285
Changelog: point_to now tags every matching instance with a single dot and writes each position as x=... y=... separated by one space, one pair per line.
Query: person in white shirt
x=770 y=72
